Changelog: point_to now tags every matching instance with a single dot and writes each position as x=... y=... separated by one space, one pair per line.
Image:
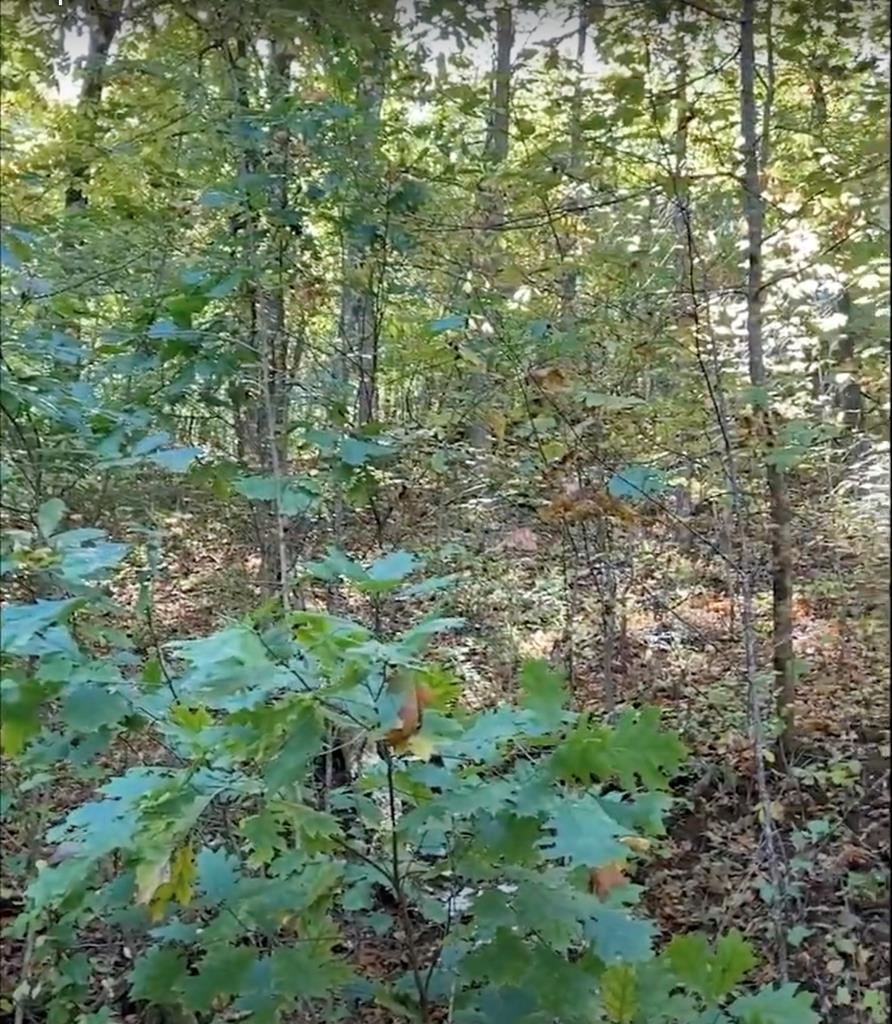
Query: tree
x=781 y=549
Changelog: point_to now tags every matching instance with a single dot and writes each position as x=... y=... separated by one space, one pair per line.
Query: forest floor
x=677 y=645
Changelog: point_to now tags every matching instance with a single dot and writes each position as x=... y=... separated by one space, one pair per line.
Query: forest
x=445 y=509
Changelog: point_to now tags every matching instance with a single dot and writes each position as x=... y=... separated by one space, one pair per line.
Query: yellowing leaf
x=182 y=875
x=421 y=746
x=191 y=719
x=636 y=843
x=150 y=876
x=618 y=993
x=498 y=423
x=174 y=882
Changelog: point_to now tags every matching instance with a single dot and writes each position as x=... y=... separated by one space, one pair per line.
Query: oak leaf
x=415 y=698
x=603 y=880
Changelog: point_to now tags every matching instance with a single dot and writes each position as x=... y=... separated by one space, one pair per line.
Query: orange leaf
x=415 y=700
x=603 y=880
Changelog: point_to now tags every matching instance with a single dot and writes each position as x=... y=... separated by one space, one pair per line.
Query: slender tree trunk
x=500 y=111
x=847 y=389
x=103 y=22
x=360 y=316
x=497 y=146
x=272 y=343
x=780 y=515
x=679 y=170
x=588 y=12
x=261 y=403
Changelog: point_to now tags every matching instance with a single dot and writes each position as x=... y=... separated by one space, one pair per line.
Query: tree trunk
x=261 y=404
x=103 y=22
x=679 y=170
x=782 y=573
x=500 y=111
x=359 y=316
x=588 y=13
x=846 y=387
x=496 y=151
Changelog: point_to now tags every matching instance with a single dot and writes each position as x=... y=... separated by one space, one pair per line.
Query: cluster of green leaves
x=237 y=878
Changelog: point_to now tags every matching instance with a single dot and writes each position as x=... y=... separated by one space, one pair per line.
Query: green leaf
x=734 y=959
x=84 y=563
x=637 y=483
x=712 y=976
x=635 y=749
x=19 y=623
x=435 y=585
x=502 y=962
x=49 y=515
x=797 y=934
x=336 y=564
x=256 y=488
x=784 y=1005
x=786 y=457
x=263 y=833
x=386 y=573
x=222 y=973
x=414 y=640
x=297 y=498
x=544 y=691
x=88 y=707
x=448 y=323
x=235 y=644
x=214 y=199
x=8 y=258
x=151 y=443
x=643 y=812
x=307 y=972
x=218 y=875
x=615 y=935
x=225 y=286
x=584 y=834
x=876 y=1004
x=498 y=1005
x=303 y=743
x=157 y=976
x=489 y=732
x=161 y=329
x=259 y=996
x=689 y=957
x=356 y=452
x=176 y=460
x=618 y=993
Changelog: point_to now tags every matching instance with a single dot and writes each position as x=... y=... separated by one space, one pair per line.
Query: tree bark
x=589 y=13
x=500 y=111
x=261 y=404
x=496 y=152
x=846 y=388
x=359 y=316
x=103 y=22
x=780 y=515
